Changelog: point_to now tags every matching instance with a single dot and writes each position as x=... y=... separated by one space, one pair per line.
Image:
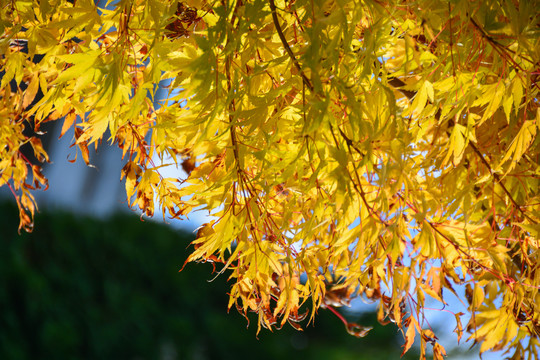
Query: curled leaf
x=358 y=330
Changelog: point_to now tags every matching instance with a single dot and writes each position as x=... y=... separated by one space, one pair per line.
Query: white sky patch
x=168 y=169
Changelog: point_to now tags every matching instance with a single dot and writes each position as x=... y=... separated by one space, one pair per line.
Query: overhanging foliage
x=377 y=148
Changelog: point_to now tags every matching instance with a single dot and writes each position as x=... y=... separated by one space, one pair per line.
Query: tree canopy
x=383 y=149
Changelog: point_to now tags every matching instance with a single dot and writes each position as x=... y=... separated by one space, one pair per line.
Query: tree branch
x=307 y=81
x=499 y=181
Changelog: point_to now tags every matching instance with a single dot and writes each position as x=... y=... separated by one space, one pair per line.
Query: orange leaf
x=459 y=328
x=83 y=145
x=85 y=153
x=68 y=122
x=30 y=92
x=438 y=352
x=409 y=338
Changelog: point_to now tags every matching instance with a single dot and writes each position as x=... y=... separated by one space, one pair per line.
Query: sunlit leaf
x=384 y=150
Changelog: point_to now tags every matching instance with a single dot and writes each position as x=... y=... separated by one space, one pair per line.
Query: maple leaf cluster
x=387 y=150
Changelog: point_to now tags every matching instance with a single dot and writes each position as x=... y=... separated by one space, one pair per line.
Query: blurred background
x=79 y=287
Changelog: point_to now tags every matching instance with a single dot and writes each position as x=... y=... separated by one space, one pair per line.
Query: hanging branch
x=287 y=47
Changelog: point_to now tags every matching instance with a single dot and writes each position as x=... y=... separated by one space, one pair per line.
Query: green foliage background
x=81 y=288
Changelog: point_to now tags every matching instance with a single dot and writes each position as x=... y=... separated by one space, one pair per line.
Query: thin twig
x=498 y=179
x=287 y=47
